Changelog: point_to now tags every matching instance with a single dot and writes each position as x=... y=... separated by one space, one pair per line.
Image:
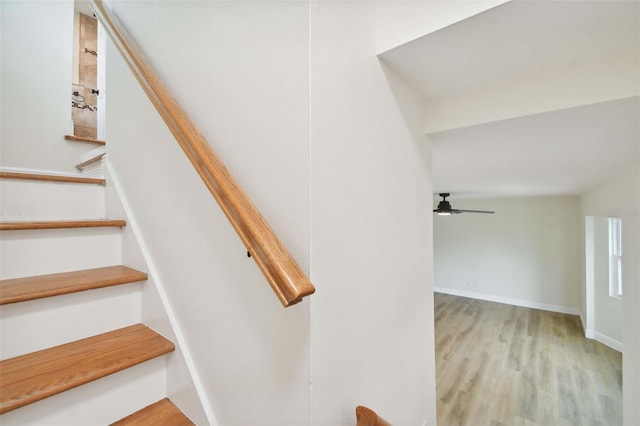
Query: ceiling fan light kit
x=445 y=209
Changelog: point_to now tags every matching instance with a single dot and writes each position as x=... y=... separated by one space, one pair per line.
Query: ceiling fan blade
x=444 y=207
x=472 y=211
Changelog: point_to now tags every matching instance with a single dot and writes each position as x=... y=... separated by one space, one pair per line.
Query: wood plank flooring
x=499 y=364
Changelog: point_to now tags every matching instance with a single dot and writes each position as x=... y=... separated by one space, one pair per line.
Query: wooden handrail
x=367 y=417
x=278 y=266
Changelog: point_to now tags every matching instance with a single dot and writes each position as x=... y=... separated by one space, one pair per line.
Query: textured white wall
x=620 y=197
x=528 y=251
x=372 y=317
x=35 y=54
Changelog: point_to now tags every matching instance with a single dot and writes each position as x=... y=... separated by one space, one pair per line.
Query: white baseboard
x=94 y=170
x=508 y=301
x=605 y=340
x=164 y=298
x=584 y=323
x=589 y=334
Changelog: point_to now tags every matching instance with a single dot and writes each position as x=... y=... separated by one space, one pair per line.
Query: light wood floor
x=505 y=365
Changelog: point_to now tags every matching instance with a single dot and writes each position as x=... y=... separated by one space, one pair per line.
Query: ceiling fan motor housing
x=444 y=205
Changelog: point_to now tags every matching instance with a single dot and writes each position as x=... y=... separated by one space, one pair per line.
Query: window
x=615 y=257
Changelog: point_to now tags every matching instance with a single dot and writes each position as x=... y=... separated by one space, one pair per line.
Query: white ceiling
x=517 y=37
x=558 y=152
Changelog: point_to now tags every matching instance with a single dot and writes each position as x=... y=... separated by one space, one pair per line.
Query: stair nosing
x=162 y=407
x=84 y=139
x=90 y=161
x=51 y=178
x=31 y=288
x=38 y=375
x=60 y=224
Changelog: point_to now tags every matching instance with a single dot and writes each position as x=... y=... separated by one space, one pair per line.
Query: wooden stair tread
x=75 y=138
x=30 y=288
x=90 y=161
x=38 y=375
x=163 y=412
x=51 y=178
x=58 y=224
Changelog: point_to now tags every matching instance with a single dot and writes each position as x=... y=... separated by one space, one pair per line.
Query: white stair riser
x=93 y=170
x=39 y=252
x=100 y=402
x=39 y=324
x=93 y=153
x=36 y=200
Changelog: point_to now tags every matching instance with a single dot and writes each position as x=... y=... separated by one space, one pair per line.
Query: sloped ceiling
x=551 y=153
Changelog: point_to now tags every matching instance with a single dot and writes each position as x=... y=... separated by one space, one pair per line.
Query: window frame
x=615 y=257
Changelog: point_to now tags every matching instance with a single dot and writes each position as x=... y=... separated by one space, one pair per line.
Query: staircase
x=73 y=347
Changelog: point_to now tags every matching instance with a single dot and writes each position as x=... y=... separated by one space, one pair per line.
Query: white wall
x=75 y=53
x=36 y=57
x=528 y=253
x=372 y=316
x=155 y=310
x=328 y=146
x=620 y=197
x=240 y=70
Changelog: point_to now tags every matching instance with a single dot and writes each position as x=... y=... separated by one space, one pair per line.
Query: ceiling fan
x=444 y=207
